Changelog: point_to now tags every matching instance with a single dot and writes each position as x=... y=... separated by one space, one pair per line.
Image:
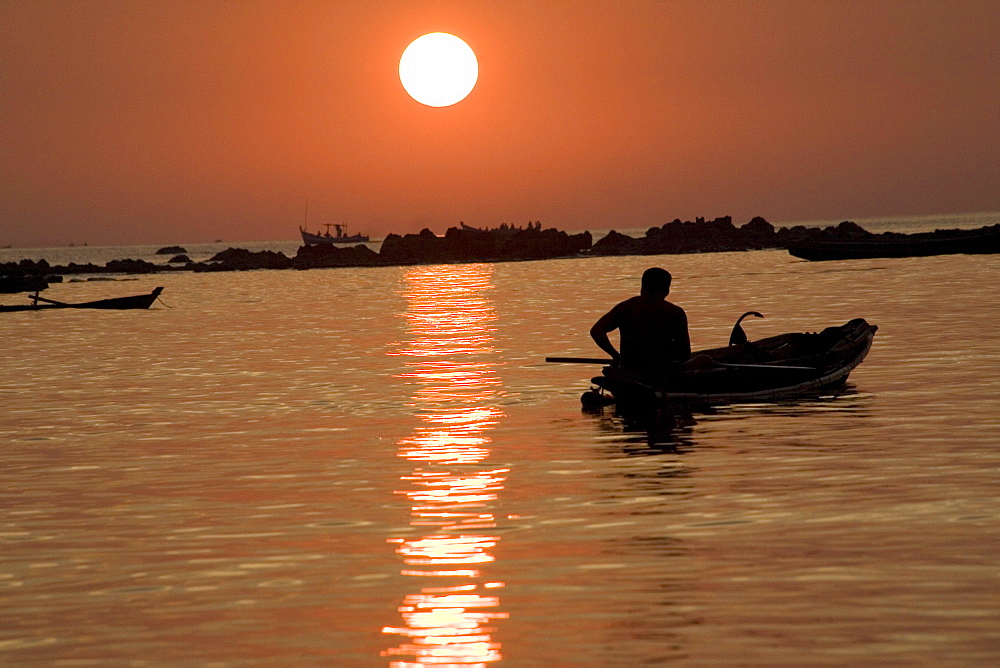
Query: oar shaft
x=767 y=366
x=607 y=362
x=51 y=301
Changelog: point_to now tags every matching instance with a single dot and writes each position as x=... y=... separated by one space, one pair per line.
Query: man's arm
x=683 y=338
x=599 y=332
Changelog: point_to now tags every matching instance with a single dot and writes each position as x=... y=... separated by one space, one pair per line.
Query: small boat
x=339 y=237
x=116 y=303
x=763 y=370
x=983 y=240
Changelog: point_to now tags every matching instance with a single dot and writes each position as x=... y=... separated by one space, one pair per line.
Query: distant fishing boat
x=339 y=236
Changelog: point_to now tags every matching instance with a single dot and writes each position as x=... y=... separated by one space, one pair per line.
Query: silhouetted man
x=654 y=332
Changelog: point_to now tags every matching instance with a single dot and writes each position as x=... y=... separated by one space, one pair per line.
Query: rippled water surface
x=375 y=467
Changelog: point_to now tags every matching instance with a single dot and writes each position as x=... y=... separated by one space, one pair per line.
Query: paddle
x=46 y=299
x=597 y=360
x=766 y=366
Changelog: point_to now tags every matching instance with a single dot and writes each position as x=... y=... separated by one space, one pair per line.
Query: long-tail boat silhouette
x=942 y=242
x=116 y=303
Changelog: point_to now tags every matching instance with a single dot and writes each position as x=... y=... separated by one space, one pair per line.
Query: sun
x=438 y=69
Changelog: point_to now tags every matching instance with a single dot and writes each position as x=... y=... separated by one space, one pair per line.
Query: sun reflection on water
x=449 y=360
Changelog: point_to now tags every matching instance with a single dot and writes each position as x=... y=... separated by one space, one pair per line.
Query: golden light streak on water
x=450 y=318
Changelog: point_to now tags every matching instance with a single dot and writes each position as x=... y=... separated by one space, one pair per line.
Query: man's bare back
x=653 y=331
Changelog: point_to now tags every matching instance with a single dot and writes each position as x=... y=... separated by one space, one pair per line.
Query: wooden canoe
x=770 y=368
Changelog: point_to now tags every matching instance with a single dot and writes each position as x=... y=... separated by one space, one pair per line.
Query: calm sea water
x=374 y=467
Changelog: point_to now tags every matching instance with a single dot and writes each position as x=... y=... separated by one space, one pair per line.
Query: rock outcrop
x=719 y=235
x=314 y=257
x=472 y=245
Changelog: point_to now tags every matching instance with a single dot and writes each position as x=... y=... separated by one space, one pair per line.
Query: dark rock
x=616 y=243
x=690 y=237
x=171 y=250
x=179 y=259
x=413 y=248
x=312 y=257
x=786 y=236
x=759 y=234
x=131 y=267
x=719 y=235
x=240 y=259
x=89 y=268
x=848 y=230
x=26 y=283
x=845 y=231
x=472 y=245
x=758 y=227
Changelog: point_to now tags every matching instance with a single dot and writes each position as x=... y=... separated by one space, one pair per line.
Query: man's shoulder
x=668 y=310
x=630 y=305
x=674 y=308
x=638 y=307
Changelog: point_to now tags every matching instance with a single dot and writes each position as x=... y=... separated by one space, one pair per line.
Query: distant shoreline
x=907 y=224
x=503 y=244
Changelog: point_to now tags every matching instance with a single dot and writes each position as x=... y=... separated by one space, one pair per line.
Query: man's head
x=656 y=282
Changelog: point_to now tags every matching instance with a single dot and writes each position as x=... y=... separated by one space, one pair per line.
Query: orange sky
x=160 y=121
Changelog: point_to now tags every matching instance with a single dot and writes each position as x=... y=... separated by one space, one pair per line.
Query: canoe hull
x=774 y=368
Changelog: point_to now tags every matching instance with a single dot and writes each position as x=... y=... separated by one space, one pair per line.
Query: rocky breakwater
x=37 y=274
x=457 y=245
x=504 y=244
x=467 y=244
x=719 y=235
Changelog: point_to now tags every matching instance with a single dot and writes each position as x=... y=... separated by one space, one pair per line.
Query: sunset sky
x=173 y=121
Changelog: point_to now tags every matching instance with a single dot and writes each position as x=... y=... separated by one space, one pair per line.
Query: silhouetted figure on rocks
x=654 y=332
